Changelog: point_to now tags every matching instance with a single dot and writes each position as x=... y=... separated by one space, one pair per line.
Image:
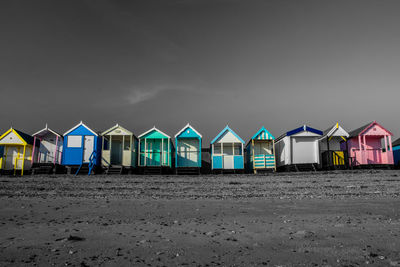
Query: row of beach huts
x=118 y=150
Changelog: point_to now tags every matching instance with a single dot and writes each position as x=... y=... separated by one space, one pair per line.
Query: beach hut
x=155 y=152
x=17 y=151
x=119 y=150
x=188 y=151
x=298 y=149
x=331 y=154
x=81 y=148
x=49 y=154
x=396 y=152
x=370 y=145
x=227 y=152
x=260 y=152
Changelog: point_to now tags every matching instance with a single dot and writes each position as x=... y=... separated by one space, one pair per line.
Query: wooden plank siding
x=261 y=151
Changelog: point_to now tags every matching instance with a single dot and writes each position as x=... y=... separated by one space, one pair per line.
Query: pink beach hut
x=370 y=144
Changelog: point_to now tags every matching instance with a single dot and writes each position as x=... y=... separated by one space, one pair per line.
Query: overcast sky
x=245 y=63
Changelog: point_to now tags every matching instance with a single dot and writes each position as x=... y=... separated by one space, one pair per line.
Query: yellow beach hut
x=17 y=152
x=332 y=147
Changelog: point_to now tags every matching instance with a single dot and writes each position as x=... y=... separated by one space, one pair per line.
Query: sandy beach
x=310 y=219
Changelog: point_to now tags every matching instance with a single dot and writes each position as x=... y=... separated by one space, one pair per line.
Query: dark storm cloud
x=210 y=63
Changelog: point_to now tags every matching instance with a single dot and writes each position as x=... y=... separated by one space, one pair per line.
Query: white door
x=12 y=154
x=227 y=149
x=228 y=162
x=304 y=150
x=88 y=147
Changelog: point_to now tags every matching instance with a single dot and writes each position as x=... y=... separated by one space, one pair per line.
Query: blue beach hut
x=227 y=151
x=81 y=146
x=188 y=151
x=260 y=152
x=396 y=152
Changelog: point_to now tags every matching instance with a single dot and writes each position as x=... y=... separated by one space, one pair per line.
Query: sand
x=314 y=219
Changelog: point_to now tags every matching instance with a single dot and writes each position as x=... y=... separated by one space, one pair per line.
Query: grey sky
x=244 y=63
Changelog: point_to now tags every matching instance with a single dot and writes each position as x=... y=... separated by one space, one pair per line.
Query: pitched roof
x=153 y=129
x=223 y=131
x=28 y=138
x=268 y=135
x=360 y=130
x=188 y=126
x=396 y=143
x=80 y=124
x=303 y=128
x=330 y=131
x=325 y=132
x=115 y=127
x=357 y=131
x=49 y=130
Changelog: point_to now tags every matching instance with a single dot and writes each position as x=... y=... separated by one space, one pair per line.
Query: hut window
x=74 y=141
x=127 y=142
x=238 y=149
x=228 y=149
x=106 y=144
x=217 y=148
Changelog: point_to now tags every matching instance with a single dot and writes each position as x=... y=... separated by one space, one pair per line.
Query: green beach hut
x=155 y=152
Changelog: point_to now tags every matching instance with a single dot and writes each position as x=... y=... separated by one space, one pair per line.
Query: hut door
x=88 y=147
x=116 y=152
x=304 y=150
x=188 y=153
x=227 y=149
x=154 y=152
x=12 y=154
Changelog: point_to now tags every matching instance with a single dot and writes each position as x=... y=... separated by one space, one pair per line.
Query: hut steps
x=187 y=171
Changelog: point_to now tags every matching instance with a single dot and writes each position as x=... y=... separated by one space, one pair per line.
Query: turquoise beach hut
x=188 y=151
x=155 y=152
x=396 y=152
x=227 y=152
x=260 y=152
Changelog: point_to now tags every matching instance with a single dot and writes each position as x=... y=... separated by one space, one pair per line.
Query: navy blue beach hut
x=188 y=151
x=227 y=151
x=82 y=146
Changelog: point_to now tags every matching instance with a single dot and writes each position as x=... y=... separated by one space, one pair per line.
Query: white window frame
x=220 y=151
x=74 y=140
